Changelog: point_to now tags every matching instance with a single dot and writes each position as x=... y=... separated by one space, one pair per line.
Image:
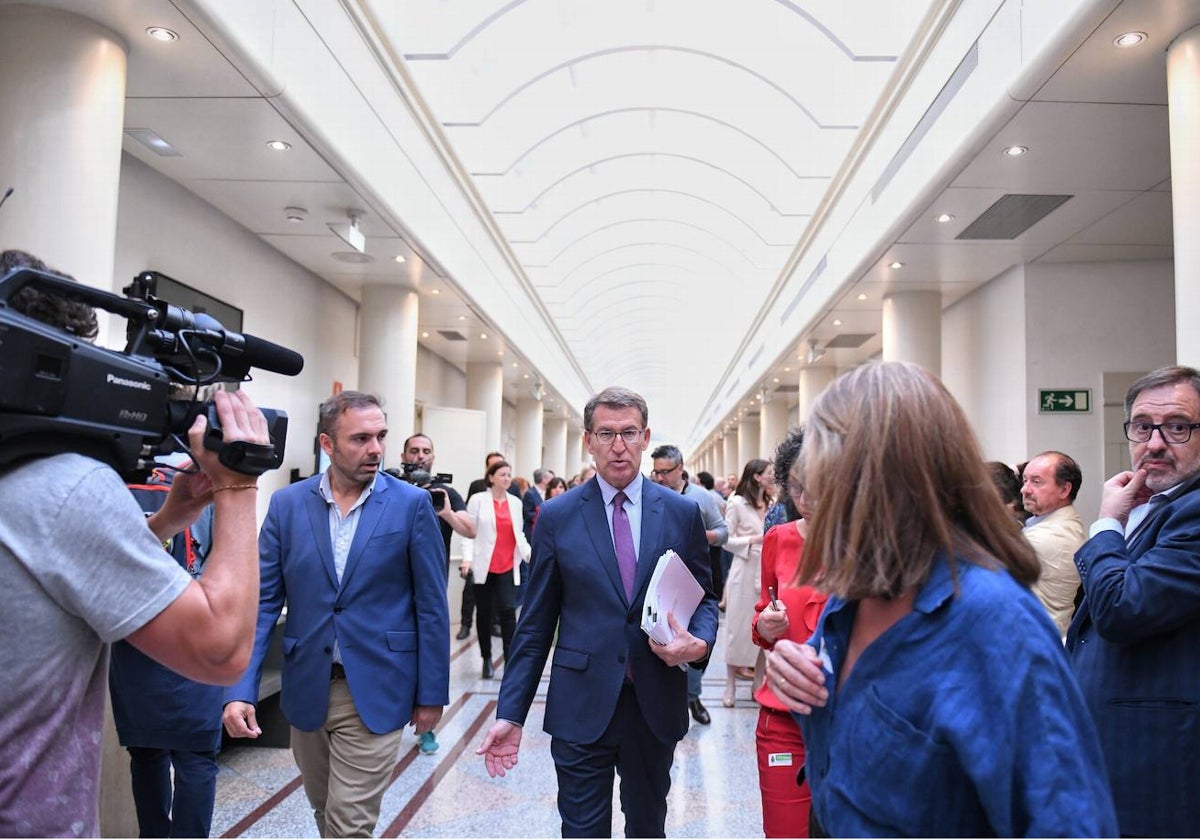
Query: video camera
x=421 y=477
x=58 y=393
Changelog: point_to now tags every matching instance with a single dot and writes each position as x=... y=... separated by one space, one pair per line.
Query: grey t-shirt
x=78 y=569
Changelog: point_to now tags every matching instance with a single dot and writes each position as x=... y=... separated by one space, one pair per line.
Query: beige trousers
x=346 y=767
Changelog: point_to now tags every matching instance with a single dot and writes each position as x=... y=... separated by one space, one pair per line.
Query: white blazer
x=479 y=550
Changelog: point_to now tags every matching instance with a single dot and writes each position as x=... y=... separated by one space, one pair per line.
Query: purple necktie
x=623 y=542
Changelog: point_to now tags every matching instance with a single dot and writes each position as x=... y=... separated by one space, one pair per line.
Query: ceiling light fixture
x=896 y=265
x=945 y=217
x=483 y=335
x=349 y=232
x=814 y=355
x=435 y=291
x=837 y=322
x=161 y=33
x=1129 y=39
x=295 y=215
x=1015 y=151
x=424 y=335
x=279 y=145
x=462 y=317
x=862 y=295
x=399 y=258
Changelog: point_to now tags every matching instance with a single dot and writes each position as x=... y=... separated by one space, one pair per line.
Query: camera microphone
x=260 y=353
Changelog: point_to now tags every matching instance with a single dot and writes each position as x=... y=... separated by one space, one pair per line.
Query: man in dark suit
x=358 y=558
x=1135 y=640
x=533 y=498
x=615 y=699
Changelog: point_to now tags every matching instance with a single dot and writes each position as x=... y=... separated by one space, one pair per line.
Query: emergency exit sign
x=1065 y=401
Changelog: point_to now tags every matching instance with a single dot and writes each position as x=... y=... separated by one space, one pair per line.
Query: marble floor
x=714 y=790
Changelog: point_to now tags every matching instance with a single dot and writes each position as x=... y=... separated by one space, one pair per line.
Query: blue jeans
x=187 y=810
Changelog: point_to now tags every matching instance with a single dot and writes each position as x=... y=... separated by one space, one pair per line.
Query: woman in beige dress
x=744 y=515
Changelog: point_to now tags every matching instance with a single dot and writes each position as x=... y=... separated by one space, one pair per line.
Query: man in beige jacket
x=1051 y=482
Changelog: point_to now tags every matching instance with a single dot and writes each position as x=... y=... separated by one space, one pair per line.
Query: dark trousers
x=495 y=600
x=718 y=570
x=468 y=601
x=185 y=811
x=585 y=776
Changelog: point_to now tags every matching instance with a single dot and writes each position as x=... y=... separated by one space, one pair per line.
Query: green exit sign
x=1065 y=401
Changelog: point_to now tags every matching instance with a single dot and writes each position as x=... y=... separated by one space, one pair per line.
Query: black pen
x=771 y=595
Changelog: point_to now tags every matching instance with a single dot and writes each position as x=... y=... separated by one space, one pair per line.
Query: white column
x=528 y=456
x=812 y=382
x=1183 y=100
x=62 y=94
x=747 y=442
x=485 y=392
x=729 y=462
x=573 y=451
x=772 y=425
x=387 y=364
x=555 y=445
x=912 y=329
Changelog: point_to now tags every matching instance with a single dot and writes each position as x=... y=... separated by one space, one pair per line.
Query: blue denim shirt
x=963 y=719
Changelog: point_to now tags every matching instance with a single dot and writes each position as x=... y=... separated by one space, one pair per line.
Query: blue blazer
x=1135 y=649
x=389 y=614
x=575 y=588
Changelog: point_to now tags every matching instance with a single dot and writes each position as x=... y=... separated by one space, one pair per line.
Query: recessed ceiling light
x=525 y=376
x=1015 y=151
x=776 y=379
x=424 y=335
x=483 y=335
x=399 y=258
x=1129 y=39
x=161 y=33
x=352 y=257
x=462 y=317
x=499 y=352
x=837 y=322
x=862 y=295
x=279 y=145
x=946 y=217
x=435 y=291
x=896 y=265
x=514 y=364
x=787 y=370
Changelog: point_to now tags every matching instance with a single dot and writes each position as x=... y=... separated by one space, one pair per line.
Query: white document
x=674 y=590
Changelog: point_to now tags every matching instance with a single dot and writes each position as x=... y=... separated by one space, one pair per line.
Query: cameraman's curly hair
x=51 y=308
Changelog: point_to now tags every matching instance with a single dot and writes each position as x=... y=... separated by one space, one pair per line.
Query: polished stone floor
x=714 y=790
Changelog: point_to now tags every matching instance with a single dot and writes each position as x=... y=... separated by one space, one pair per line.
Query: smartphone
x=439 y=497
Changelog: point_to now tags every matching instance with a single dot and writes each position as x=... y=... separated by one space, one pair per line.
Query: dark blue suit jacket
x=575 y=587
x=389 y=612
x=530 y=502
x=1135 y=649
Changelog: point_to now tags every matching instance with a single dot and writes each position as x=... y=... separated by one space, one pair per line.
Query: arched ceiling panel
x=652 y=163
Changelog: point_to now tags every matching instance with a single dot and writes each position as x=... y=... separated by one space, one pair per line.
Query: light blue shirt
x=341 y=532
x=1136 y=516
x=633 y=507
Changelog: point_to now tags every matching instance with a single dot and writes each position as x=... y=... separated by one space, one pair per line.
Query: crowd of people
x=936 y=644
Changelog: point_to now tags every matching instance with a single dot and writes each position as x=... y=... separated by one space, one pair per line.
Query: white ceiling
x=654 y=167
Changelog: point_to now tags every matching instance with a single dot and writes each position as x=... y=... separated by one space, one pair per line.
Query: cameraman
x=81 y=569
x=451 y=510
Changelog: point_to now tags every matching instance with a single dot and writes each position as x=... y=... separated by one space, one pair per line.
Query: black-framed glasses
x=1173 y=431
x=608 y=437
x=664 y=473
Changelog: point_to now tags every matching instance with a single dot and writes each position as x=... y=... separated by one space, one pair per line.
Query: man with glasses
x=1135 y=640
x=668 y=471
x=615 y=700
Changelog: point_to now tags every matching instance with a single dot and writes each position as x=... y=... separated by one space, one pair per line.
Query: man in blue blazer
x=615 y=699
x=1135 y=640
x=358 y=558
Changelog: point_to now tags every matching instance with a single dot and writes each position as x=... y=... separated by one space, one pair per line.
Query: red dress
x=780 y=747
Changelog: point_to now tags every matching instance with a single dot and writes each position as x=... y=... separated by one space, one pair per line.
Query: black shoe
x=496 y=630
x=463 y=632
x=488 y=671
x=699 y=712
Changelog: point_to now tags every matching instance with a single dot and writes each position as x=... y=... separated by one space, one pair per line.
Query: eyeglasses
x=608 y=437
x=664 y=473
x=1175 y=431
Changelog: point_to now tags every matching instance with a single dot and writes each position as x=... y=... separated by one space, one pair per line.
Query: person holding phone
x=495 y=556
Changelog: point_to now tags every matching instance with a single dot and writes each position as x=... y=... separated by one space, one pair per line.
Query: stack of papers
x=673 y=590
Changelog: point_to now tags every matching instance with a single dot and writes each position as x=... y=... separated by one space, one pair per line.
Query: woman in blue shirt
x=941 y=700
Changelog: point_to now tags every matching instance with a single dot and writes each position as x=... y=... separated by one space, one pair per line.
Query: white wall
x=983 y=363
x=163 y=227
x=1082 y=321
x=439 y=382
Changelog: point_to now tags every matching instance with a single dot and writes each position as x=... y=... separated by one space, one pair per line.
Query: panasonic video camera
x=59 y=393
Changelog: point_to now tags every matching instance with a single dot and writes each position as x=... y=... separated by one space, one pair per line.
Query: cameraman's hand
x=240 y=420
x=239 y=719
x=190 y=492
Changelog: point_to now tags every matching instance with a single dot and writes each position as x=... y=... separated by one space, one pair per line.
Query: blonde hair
x=896 y=475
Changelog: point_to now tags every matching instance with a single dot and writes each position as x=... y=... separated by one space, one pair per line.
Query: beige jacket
x=1055 y=539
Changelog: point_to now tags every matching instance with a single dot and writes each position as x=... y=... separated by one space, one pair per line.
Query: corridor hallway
x=714 y=783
